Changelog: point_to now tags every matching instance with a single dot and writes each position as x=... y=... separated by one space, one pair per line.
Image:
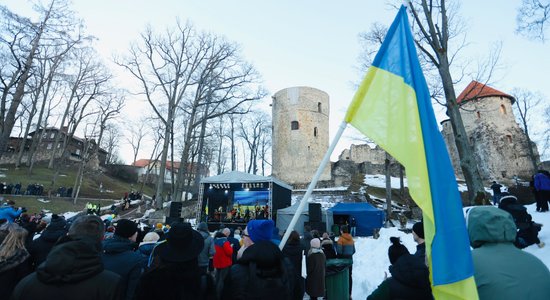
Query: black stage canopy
x=234 y=198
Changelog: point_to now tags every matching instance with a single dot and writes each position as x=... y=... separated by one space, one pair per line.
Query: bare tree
x=526 y=102
x=136 y=133
x=164 y=64
x=532 y=18
x=435 y=30
x=110 y=142
x=22 y=38
x=252 y=130
x=109 y=107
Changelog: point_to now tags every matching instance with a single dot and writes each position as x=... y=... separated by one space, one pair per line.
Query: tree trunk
x=468 y=164
x=388 y=189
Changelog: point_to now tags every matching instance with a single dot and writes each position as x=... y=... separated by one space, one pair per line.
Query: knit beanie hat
x=418 y=228
x=396 y=250
x=151 y=237
x=260 y=230
x=125 y=228
x=315 y=243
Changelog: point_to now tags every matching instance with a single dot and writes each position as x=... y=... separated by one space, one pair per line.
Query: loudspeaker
x=175 y=209
x=319 y=226
x=315 y=212
x=171 y=220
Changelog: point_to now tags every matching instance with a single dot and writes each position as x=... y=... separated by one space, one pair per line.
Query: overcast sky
x=311 y=43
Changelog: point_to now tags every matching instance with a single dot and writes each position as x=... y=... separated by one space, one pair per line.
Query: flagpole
x=313 y=183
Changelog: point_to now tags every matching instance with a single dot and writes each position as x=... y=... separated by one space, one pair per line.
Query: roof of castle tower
x=478 y=90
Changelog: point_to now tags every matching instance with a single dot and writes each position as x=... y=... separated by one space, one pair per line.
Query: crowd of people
x=90 y=258
x=35 y=189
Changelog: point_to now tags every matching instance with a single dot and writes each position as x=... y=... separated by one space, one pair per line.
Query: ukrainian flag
x=392 y=107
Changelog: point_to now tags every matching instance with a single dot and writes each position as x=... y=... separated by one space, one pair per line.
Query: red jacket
x=223 y=257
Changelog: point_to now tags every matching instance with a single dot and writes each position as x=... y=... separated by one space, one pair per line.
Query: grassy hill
x=112 y=188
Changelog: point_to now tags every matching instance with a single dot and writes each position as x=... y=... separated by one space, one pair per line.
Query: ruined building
x=300 y=135
x=500 y=145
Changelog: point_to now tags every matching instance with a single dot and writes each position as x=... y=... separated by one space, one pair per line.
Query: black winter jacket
x=41 y=247
x=175 y=281
x=261 y=273
x=119 y=257
x=410 y=279
x=72 y=270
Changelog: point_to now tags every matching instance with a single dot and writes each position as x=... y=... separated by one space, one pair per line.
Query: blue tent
x=367 y=216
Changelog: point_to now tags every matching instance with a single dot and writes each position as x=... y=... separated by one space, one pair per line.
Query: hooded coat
x=119 y=256
x=501 y=270
x=410 y=280
x=12 y=270
x=72 y=270
x=261 y=273
x=208 y=250
x=41 y=247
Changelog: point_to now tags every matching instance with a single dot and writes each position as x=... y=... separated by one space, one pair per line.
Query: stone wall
x=298 y=152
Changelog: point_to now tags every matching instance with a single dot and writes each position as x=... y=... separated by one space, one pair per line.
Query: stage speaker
x=171 y=220
x=319 y=226
x=175 y=209
x=315 y=212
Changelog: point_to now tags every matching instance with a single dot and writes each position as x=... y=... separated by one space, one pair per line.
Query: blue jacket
x=9 y=213
x=542 y=182
x=119 y=257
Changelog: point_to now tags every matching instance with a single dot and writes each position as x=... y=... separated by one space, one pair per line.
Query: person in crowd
x=496 y=192
x=502 y=271
x=315 y=268
x=73 y=269
x=328 y=246
x=208 y=251
x=159 y=230
x=119 y=255
x=175 y=272
x=262 y=272
x=306 y=238
x=418 y=236
x=294 y=251
x=41 y=247
x=409 y=276
x=353 y=226
x=223 y=259
x=146 y=247
x=345 y=248
x=9 y=212
x=275 y=237
x=234 y=243
x=14 y=260
x=542 y=188
x=30 y=227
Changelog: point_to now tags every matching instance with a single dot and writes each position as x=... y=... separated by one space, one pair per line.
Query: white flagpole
x=313 y=183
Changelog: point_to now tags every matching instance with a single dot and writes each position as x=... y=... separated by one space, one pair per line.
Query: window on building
x=77 y=151
x=52 y=135
x=315 y=131
x=294 y=125
x=502 y=109
x=509 y=138
x=478 y=115
x=319 y=109
x=50 y=145
x=58 y=145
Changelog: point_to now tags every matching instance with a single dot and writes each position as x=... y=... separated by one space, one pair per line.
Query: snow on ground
x=379 y=181
x=371 y=258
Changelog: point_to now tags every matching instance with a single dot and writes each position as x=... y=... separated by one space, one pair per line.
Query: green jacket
x=501 y=270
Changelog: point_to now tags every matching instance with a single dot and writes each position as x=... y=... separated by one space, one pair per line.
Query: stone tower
x=300 y=134
x=499 y=144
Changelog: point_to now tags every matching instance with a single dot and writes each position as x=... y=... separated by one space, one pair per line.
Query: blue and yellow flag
x=393 y=108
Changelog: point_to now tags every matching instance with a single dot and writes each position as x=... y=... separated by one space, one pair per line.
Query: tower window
x=294 y=125
x=478 y=115
x=315 y=131
x=509 y=137
x=319 y=109
x=502 y=109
